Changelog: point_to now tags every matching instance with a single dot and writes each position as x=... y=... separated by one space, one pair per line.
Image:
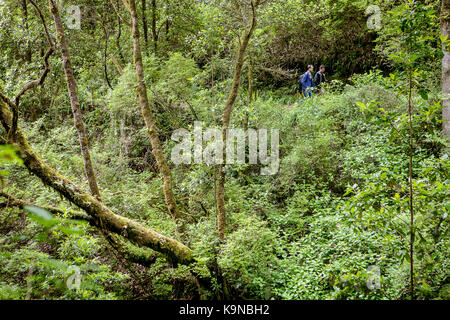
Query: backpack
x=300 y=80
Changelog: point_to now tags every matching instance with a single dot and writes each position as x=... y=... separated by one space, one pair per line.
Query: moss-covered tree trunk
x=74 y=102
x=102 y=217
x=445 y=30
x=243 y=44
x=149 y=119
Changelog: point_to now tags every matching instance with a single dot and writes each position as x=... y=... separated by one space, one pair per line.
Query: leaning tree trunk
x=445 y=30
x=74 y=102
x=149 y=119
x=102 y=216
x=226 y=119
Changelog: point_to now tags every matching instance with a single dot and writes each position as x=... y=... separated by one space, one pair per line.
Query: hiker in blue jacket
x=307 y=83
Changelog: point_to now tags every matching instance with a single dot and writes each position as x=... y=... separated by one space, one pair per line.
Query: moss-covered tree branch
x=102 y=216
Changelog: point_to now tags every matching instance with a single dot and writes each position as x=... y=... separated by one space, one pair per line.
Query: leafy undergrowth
x=336 y=209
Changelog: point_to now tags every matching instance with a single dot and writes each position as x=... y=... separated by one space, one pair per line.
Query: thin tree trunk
x=445 y=30
x=144 y=22
x=250 y=80
x=226 y=119
x=167 y=21
x=119 y=29
x=74 y=102
x=28 y=51
x=410 y=183
x=250 y=90
x=117 y=64
x=154 y=31
x=105 y=55
x=150 y=121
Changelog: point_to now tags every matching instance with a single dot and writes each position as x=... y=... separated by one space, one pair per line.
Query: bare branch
x=34 y=83
x=127 y=6
x=146 y=259
x=49 y=39
x=12 y=201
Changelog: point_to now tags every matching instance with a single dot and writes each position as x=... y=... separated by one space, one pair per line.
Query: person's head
x=310 y=68
x=322 y=69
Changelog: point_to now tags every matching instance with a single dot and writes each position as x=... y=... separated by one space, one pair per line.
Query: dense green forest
x=111 y=112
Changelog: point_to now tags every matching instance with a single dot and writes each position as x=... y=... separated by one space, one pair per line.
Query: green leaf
x=8 y=155
x=361 y=105
x=42 y=213
x=43 y=222
x=71 y=231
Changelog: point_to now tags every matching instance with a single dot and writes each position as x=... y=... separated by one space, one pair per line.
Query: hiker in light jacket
x=307 y=83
